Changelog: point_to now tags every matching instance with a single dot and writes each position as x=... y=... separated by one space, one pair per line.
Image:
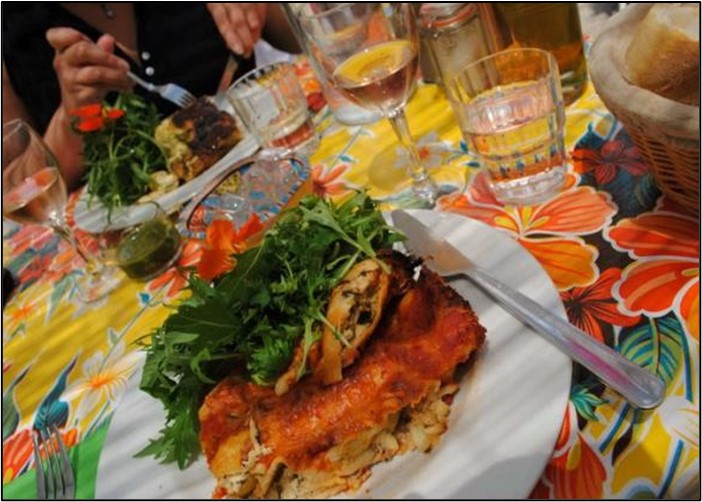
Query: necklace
x=107 y=10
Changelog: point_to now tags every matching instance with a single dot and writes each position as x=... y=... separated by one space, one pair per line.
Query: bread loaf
x=664 y=54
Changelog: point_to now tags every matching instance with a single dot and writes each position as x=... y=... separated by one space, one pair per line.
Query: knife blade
x=638 y=386
x=229 y=71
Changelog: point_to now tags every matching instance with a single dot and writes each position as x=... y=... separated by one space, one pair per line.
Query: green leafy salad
x=120 y=152
x=254 y=316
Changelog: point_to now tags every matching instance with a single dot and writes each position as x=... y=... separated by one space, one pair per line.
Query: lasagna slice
x=318 y=440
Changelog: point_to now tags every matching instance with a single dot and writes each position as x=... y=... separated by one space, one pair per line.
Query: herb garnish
x=255 y=315
x=119 y=150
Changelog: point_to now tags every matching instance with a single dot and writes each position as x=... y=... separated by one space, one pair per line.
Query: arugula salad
x=252 y=318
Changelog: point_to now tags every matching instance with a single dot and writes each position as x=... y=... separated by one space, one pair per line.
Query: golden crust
x=316 y=440
x=355 y=308
x=196 y=137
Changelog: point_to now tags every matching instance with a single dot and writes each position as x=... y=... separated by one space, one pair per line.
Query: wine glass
x=33 y=191
x=369 y=52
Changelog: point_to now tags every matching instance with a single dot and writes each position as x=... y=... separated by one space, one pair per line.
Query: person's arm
x=64 y=144
x=86 y=71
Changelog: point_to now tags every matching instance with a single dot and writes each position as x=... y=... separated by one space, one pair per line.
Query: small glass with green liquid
x=150 y=248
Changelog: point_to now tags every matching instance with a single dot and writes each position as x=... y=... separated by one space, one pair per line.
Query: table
x=624 y=259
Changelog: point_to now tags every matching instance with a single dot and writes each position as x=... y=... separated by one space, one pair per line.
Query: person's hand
x=240 y=24
x=86 y=70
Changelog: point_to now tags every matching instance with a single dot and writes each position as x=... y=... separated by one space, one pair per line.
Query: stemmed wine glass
x=369 y=52
x=33 y=191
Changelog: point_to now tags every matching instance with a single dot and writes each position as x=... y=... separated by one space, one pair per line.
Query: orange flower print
x=329 y=183
x=223 y=240
x=16 y=453
x=590 y=306
x=550 y=231
x=577 y=474
x=16 y=314
x=175 y=277
x=605 y=162
x=566 y=439
x=666 y=274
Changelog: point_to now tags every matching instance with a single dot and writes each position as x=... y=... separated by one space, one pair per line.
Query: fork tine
x=41 y=481
x=49 y=472
x=69 y=482
x=186 y=99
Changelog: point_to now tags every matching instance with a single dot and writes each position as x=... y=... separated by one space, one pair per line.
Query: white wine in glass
x=369 y=52
x=33 y=191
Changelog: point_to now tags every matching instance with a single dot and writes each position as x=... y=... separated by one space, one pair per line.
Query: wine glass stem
x=399 y=123
x=422 y=184
x=92 y=266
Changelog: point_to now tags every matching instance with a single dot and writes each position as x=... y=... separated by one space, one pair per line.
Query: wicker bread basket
x=666 y=132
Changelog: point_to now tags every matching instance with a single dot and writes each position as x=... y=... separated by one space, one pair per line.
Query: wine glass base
x=93 y=287
x=426 y=192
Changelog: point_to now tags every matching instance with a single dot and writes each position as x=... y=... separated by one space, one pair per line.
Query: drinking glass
x=273 y=107
x=33 y=191
x=344 y=110
x=510 y=109
x=525 y=21
x=369 y=51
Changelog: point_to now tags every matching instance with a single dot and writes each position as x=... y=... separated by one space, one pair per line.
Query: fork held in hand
x=171 y=92
x=55 y=479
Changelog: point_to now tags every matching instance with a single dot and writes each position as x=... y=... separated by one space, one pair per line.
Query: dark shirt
x=177 y=42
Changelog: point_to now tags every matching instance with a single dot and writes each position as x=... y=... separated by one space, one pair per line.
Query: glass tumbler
x=273 y=107
x=554 y=27
x=510 y=109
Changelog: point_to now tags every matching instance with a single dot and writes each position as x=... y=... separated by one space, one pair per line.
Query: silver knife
x=635 y=384
x=229 y=70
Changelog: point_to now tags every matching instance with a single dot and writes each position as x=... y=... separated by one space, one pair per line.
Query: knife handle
x=635 y=384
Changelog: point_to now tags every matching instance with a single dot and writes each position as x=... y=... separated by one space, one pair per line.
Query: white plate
x=93 y=217
x=503 y=424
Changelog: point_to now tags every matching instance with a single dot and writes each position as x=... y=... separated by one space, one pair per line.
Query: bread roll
x=664 y=54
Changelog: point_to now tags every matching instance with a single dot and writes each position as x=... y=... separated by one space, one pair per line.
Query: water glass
x=510 y=109
x=273 y=107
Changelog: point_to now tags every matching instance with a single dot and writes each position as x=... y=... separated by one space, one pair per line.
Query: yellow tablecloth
x=624 y=259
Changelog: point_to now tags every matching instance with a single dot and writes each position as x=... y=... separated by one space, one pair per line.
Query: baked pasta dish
x=380 y=383
x=196 y=137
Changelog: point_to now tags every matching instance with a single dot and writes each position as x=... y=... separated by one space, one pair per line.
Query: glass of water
x=510 y=109
x=273 y=107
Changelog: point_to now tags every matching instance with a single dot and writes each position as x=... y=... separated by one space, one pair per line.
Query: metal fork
x=55 y=479
x=172 y=92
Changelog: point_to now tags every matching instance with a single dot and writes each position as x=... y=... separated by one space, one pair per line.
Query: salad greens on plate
x=119 y=152
x=251 y=318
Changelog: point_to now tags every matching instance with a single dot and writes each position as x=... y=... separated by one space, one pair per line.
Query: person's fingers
x=221 y=18
x=241 y=27
x=107 y=43
x=63 y=38
x=254 y=21
x=101 y=76
x=89 y=54
x=240 y=24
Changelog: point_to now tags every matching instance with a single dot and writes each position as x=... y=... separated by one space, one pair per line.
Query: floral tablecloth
x=624 y=259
